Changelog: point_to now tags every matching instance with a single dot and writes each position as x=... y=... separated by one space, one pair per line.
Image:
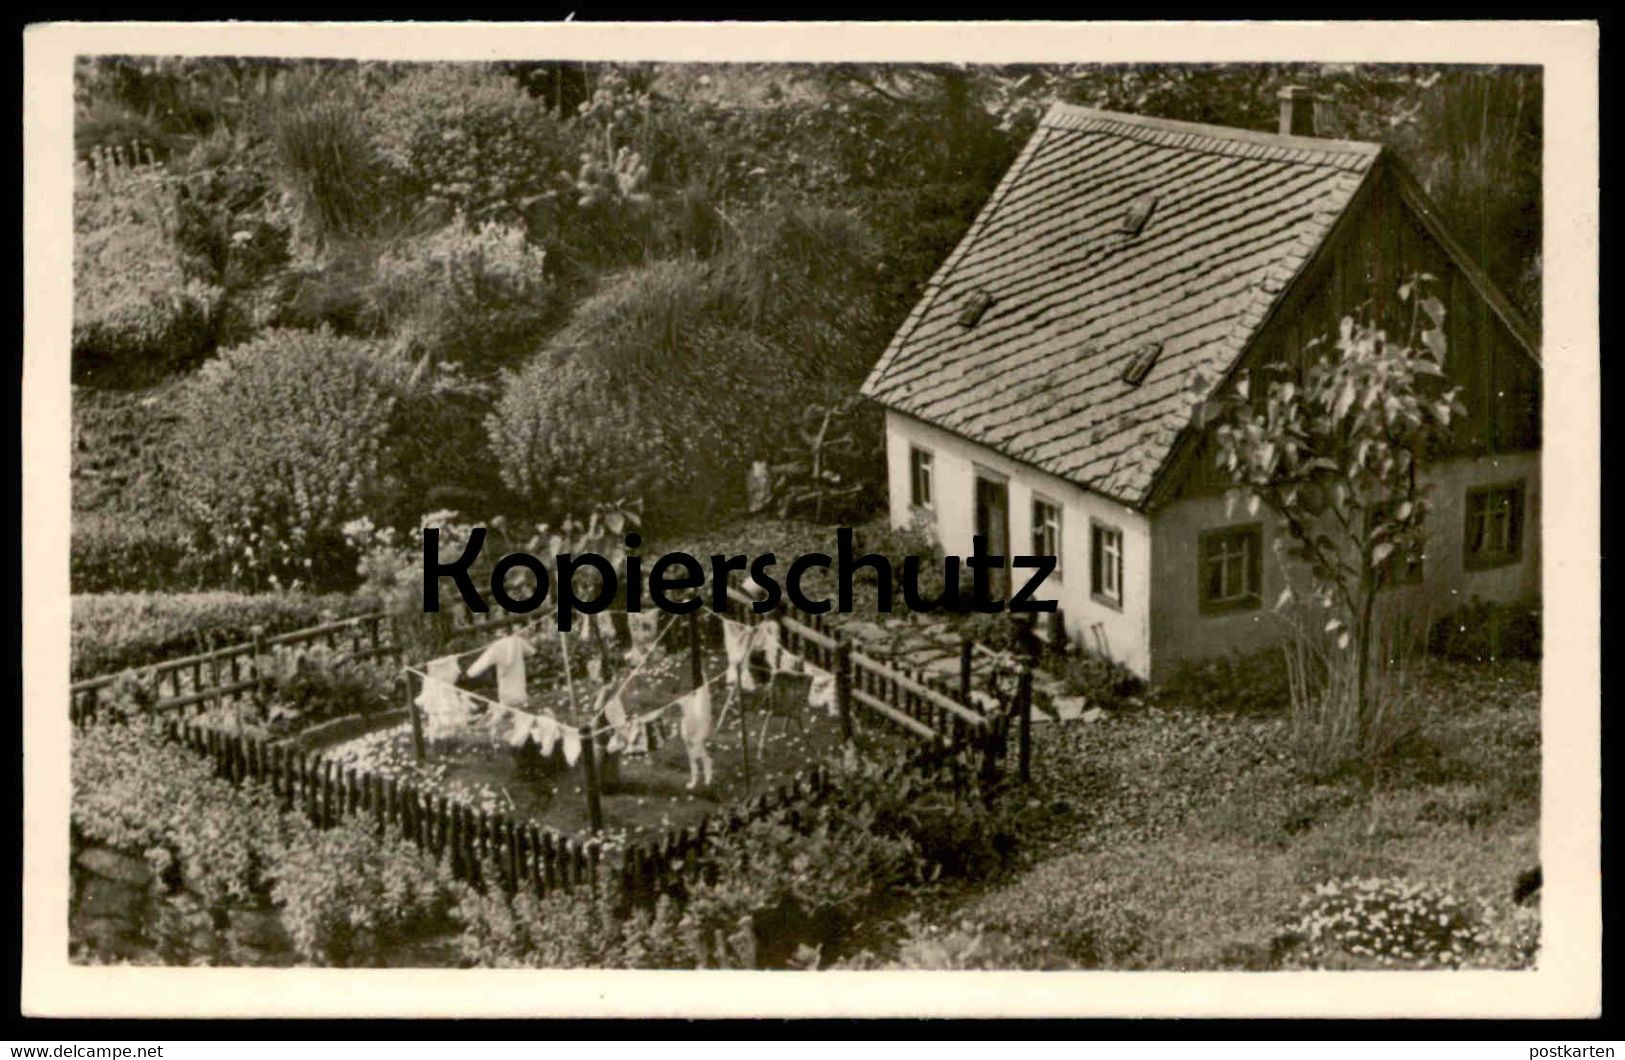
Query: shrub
x=569 y=929
x=347 y=894
x=1250 y=684
x=110 y=553
x=567 y=435
x=1482 y=631
x=1102 y=681
x=966 y=947
x=136 y=314
x=467 y=138
x=467 y=294
x=314 y=683
x=117 y=631
x=325 y=162
x=280 y=442
x=134 y=790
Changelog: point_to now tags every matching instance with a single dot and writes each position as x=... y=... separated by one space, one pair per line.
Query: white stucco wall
x=953 y=521
x=1161 y=622
x=1181 y=630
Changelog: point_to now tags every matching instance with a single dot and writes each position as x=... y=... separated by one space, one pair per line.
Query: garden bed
x=641 y=792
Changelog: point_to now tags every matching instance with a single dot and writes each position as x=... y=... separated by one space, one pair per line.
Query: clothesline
x=645 y=717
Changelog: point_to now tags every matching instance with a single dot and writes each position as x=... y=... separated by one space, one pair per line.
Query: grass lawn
x=1173 y=839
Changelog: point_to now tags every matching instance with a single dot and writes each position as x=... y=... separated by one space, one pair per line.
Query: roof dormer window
x=1144 y=358
x=976 y=305
x=1138 y=213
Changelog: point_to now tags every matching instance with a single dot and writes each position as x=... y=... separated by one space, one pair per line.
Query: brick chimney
x=1297 y=111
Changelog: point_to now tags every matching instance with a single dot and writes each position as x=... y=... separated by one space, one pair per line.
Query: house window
x=1494 y=532
x=1047 y=530
x=1229 y=567
x=1106 y=564
x=919 y=473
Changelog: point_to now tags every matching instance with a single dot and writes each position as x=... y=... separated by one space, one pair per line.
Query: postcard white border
x=1569 y=980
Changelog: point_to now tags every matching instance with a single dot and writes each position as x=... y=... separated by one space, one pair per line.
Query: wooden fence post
x=589 y=767
x=967 y=651
x=1024 y=699
x=417 y=720
x=843 y=686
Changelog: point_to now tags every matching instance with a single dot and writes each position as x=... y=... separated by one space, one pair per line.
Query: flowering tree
x=1331 y=449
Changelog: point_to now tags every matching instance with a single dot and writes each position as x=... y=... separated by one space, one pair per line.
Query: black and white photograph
x=544 y=512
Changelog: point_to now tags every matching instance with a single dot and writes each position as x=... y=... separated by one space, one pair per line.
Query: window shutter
x=1094 y=560
x=1255 y=550
x=1120 y=590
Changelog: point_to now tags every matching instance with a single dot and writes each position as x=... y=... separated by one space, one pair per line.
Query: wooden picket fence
x=871 y=694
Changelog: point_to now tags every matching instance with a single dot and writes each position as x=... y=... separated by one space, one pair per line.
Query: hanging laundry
x=545 y=731
x=695 y=729
x=767 y=642
x=439 y=696
x=571 y=737
x=737 y=639
x=822 y=693
x=645 y=627
x=595 y=669
x=508 y=656
x=519 y=728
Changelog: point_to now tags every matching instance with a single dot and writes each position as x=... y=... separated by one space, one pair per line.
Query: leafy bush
x=1385 y=923
x=134 y=790
x=117 y=631
x=803 y=875
x=558 y=457
x=467 y=138
x=472 y=295
x=569 y=929
x=1102 y=681
x=280 y=442
x=314 y=683
x=136 y=314
x=693 y=370
x=1251 y=684
x=346 y=893
x=966 y=947
x=109 y=553
x=1483 y=631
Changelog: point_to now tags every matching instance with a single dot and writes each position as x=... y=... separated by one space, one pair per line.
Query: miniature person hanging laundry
x=737 y=639
x=508 y=656
x=696 y=730
x=822 y=693
x=439 y=696
x=572 y=743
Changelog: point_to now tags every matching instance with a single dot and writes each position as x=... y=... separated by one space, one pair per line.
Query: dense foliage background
x=310 y=292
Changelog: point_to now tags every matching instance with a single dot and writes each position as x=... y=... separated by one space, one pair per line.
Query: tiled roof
x=1039 y=376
